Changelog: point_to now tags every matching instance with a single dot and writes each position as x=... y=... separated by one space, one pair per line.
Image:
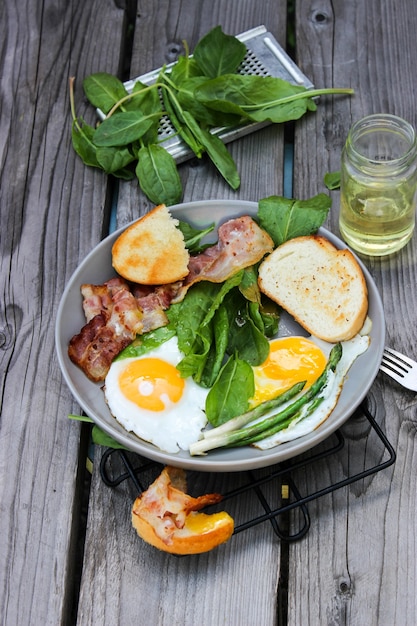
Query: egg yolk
x=151 y=383
x=290 y=360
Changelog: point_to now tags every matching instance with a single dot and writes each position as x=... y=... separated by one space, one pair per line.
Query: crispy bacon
x=95 y=347
x=165 y=505
x=116 y=312
x=241 y=243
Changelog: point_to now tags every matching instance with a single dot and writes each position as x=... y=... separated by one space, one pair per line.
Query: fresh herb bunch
x=197 y=94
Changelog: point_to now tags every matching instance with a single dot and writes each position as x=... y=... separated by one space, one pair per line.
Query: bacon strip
x=116 y=312
x=165 y=505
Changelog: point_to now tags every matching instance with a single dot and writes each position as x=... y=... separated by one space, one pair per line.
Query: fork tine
x=387 y=369
x=393 y=365
x=400 y=368
x=397 y=356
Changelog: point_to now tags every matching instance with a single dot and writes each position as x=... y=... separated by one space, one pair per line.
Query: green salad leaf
x=217 y=53
x=146 y=342
x=285 y=218
x=197 y=95
x=229 y=396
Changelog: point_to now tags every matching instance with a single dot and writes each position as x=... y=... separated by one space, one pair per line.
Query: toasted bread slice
x=168 y=519
x=152 y=250
x=322 y=287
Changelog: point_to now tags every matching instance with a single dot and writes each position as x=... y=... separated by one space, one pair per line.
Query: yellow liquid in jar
x=377 y=219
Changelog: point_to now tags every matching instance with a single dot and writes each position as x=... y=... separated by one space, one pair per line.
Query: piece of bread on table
x=152 y=250
x=322 y=287
x=168 y=519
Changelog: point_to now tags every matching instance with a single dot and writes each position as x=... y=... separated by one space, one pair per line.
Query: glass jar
x=378 y=185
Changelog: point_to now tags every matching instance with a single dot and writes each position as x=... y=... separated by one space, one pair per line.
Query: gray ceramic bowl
x=96 y=268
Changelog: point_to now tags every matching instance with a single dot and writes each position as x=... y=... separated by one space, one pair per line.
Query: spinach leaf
x=193 y=236
x=188 y=315
x=249 y=284
x=183 y=69
x=217 y=350
x=229 y=396
x=100 y=438
x=146 y=342
x=284 y=218
x=208 y=117
x=123 y=127
x=246 y=337
x=194 y=363
x=158 y=175
x=82 y=141
x=260 y=98
x=193 y=319
x=217 y=53
x=221 y=158
x=332 y=180
x=103 y=90
x=113 y=159
x=270 y=313
x=176 y=116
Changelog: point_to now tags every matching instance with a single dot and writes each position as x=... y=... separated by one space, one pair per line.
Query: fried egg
x=148 y=397
x=290 y=361
x=308 y=422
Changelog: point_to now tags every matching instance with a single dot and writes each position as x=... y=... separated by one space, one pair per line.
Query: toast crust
x=151 y=251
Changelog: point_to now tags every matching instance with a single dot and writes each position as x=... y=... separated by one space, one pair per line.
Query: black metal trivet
x=254 y=482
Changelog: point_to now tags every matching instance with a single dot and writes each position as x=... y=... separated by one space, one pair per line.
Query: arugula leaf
x=285 y=218
x=217 y=53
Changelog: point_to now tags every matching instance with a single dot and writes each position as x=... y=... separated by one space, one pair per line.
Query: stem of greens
x=273 y=423
x=309 y=93
x=241 y=420
x=72 y=103
x=128 y=97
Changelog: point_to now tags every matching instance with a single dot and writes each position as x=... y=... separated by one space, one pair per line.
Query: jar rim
x=390 y=123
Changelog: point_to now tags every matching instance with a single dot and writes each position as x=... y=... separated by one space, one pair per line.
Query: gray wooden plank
x=350 y=567
x=52 y=212
x=132 y=580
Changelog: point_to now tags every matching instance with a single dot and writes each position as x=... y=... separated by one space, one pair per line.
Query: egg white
x=172 y=429
x=305 y=424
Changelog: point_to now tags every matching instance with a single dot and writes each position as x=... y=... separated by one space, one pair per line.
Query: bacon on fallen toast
x=166 y=517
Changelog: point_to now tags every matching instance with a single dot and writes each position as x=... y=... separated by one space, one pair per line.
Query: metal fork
x=400 y=367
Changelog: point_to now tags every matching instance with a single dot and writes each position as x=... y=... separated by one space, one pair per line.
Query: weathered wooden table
x=68 y=553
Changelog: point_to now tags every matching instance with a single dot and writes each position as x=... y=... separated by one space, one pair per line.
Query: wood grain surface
x=359 y=578
x=68 y=553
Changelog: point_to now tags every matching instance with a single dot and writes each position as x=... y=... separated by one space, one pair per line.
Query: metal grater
x=265 y=57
